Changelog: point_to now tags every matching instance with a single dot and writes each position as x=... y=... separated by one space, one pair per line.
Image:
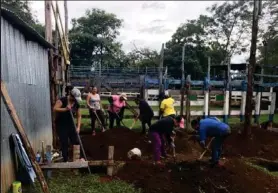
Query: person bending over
x=116 y=109
x=212 y=127
x=163 y=128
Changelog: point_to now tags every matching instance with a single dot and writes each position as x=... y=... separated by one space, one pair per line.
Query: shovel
x=80 y=142
x=99 y=121
x=202 y=155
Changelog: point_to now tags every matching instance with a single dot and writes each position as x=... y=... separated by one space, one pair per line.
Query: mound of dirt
x=261 y=144
x=123 y=140
x=195 y=177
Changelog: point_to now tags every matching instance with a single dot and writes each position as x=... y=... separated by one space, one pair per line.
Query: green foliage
x=23 y=10
x=93 y=39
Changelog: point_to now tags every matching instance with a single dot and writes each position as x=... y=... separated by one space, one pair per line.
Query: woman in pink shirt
x=116 y=109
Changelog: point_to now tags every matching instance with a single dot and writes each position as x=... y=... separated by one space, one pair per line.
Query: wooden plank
x=102 y=163
x=66 y=165
x=17 y=123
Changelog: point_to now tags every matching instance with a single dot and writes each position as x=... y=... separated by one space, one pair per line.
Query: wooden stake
x=110 y=157
x=25 y=140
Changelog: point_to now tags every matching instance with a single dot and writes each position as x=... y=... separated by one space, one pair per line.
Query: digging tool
x=202 y=155
x=99 y=121
x=135 y=120
x=80 y=142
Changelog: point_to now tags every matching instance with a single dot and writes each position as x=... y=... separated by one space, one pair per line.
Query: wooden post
x=258 y=105
x=243 y=100
x=110 y=158
x=161 y=69
x=48 y=159
x=272 y=106
x=25 y=140
x=251 y=66
x=48 y=36
x=182 y=80
x=76 y=153
x=187 y=105
x=209 y=64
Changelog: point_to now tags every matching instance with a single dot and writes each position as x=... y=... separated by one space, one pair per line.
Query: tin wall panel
x=24 y=69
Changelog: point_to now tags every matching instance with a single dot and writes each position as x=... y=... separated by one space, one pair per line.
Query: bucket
x=135 y=153
x=17 y=187
x=76 y=152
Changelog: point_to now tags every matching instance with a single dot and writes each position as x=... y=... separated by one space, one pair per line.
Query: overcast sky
x=146 y=23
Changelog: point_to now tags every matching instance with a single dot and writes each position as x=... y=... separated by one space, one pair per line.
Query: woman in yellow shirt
x=167 y=106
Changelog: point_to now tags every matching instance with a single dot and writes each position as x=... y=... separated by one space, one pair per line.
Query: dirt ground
x=187 y=174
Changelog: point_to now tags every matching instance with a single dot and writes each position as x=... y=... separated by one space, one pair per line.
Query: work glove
x=203 y=145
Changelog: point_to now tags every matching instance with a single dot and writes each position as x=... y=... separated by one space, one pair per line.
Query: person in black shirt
x=163 y=128
x=64 y=122
x=145 y=113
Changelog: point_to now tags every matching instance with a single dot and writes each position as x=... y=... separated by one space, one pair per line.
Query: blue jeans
x=217 y=146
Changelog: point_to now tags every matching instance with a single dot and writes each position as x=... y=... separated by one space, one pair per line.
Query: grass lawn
x=128 y=122
x=68 y=182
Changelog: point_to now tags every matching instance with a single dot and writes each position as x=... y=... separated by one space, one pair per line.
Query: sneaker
x=94 y=133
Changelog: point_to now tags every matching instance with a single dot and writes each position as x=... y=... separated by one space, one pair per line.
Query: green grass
x=86 y=123
x=67 y=182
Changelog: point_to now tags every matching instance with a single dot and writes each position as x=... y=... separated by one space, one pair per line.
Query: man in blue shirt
x=212 y=127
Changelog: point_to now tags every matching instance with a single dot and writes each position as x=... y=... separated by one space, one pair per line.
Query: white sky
x=146 y=23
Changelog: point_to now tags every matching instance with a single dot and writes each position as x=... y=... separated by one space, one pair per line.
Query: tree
x=193 y=34
x=229 y=26
x=23 y=10
x=93 y=39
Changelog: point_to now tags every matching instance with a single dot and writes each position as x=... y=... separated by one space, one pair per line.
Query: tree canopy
x=224 y=31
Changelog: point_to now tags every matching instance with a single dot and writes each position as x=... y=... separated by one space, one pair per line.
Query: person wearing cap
x=145 y=113
x=64 y=123
x=116 y=109
x=95 y=109
x=212 y=127
x=167 y=106
x=161 y=129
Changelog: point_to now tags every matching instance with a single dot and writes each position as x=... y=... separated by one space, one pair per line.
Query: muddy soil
x=261 y=144
x=185 y=174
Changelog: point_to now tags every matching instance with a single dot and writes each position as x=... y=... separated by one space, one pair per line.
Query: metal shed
x=25 y=71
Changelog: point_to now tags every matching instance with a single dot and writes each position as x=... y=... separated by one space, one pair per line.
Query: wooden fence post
x=110 y=166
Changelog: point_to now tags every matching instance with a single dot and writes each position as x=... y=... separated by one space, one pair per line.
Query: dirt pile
x=192 y=177
x=261 y=144
x=123 y=140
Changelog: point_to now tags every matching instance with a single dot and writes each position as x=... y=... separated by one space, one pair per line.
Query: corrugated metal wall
x=24 y=69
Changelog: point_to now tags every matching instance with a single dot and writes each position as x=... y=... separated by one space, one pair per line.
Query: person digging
x=214 y=128
x=145 y=113
x=95 y=110
x=161 y=130
x=116 y=109
x=64 y=122
x=167 y=107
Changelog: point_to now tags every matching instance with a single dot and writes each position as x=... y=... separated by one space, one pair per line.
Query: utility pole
x=66 y=37
x=161 y=69
x=251 y=67
x=66 y=19
x=182 y=80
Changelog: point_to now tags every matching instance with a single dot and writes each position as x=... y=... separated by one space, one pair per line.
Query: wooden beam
x=66 y=165
x=18 y=125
